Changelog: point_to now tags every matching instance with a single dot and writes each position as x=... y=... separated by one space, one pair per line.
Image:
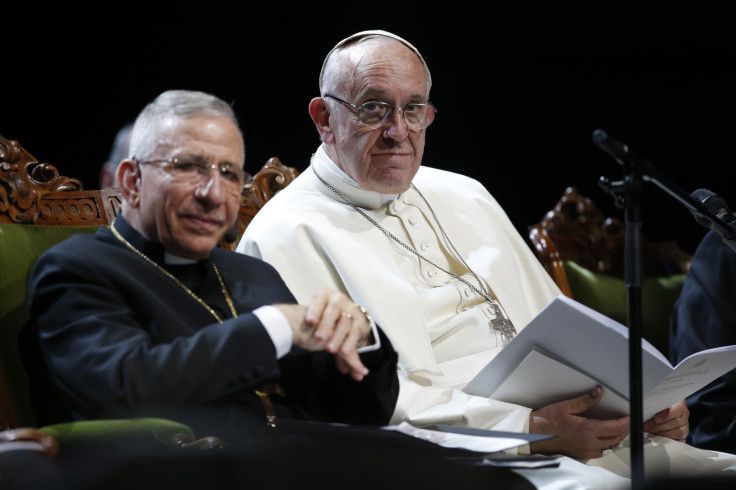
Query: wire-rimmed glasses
x=197 y=172
x=373 y=114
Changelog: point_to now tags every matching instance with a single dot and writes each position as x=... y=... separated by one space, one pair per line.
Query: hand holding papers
x=568 y=349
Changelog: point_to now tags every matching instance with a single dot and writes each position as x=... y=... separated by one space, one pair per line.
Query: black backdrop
x=519 y=89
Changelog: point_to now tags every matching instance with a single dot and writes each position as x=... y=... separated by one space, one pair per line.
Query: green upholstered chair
x=20 y=245
x=39 y=208
x=583 y=252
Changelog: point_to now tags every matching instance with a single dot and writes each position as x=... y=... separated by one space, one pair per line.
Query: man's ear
x=321 y=116
x=129 y=181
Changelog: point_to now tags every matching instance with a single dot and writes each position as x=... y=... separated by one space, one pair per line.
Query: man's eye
x=229 y=173
x=188 y=167
x=373 y=107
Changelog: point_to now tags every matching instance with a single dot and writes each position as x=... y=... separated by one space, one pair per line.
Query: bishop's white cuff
x=278 y=328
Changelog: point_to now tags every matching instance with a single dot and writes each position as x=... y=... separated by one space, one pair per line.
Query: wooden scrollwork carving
x=576 y=230
x=272 y=177
x=35 y=193
x=24 y=182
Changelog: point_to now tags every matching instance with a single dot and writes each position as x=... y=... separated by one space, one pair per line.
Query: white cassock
x=439 y=324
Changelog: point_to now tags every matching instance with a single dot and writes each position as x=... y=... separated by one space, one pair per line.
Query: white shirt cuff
x=376 y=340
x=278 y=328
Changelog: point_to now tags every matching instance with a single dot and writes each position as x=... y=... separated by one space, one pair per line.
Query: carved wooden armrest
x=549 y=257
x=29 y=439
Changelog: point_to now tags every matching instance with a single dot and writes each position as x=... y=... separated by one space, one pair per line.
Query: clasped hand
x=331 y=322
x=584 y=438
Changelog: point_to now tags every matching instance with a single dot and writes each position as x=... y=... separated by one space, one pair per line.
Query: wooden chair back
x=33 y=196
x=576 y=230
x=270 y=179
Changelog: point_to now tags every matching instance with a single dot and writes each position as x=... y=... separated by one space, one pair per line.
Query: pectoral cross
x=502 y=324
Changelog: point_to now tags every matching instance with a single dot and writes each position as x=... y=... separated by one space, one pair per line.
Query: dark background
x=519 y=89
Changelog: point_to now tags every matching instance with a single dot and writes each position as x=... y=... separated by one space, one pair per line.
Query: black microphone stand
x=627 y=195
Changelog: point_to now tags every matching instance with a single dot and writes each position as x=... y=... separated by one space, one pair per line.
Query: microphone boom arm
x=708 y=216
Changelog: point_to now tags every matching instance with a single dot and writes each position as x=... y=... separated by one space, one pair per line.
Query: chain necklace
x=501 y=322
x=177 y=281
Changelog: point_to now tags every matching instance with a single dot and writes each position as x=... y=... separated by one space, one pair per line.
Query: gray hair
x=372 y=34
x=175 y=103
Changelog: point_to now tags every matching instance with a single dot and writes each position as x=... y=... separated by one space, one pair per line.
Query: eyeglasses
x=197 y=172
x=376 y=114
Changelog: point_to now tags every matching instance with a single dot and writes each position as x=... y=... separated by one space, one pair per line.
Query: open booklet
x=568 y=349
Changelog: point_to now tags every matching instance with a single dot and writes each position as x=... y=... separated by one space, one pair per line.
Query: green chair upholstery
x=146 y=428
x=39 y=208
x=608 y=295
x=20 y=245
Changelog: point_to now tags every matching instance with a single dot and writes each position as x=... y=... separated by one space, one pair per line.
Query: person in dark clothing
x=704 y=317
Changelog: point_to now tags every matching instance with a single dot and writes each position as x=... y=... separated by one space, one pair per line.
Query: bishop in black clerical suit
x=121 y=338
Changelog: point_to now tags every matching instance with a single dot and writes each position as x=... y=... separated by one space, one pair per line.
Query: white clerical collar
x=176 y=260
x=347 y=186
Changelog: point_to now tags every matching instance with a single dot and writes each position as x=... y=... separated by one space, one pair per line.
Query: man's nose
x=396 y=127
x=211 y=186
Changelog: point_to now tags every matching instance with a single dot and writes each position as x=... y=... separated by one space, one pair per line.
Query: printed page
x=691 y=374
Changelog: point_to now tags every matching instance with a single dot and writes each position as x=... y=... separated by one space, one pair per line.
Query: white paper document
x=568 y=349
x=477 y=440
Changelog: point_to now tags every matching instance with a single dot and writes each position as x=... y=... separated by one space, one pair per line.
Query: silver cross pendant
x=502 y=324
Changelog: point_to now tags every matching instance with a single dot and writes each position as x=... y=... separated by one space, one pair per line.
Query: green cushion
x=20 y=246
x=608 y=295
x=97 y=430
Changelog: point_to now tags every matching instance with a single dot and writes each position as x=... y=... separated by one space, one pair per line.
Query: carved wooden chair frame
x=576 y=230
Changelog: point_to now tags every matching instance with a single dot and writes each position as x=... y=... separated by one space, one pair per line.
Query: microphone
x=621 y=153
x=717 y=206
x=231 y=234
x=617 y=150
